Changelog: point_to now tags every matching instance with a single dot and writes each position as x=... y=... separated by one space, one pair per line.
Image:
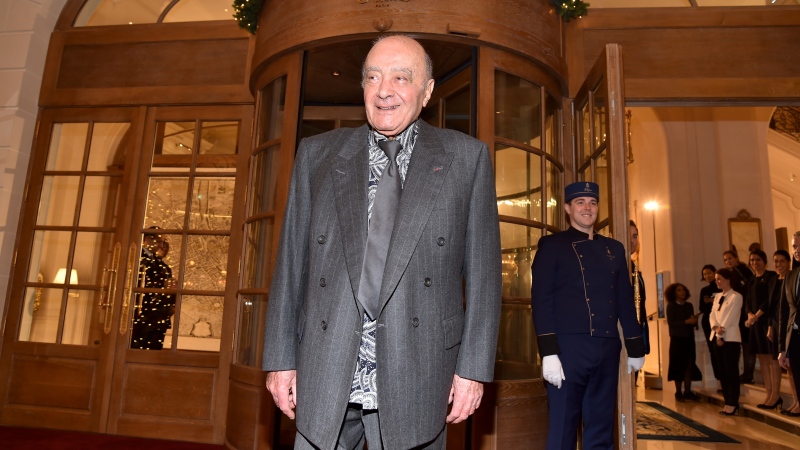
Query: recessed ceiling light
x=336 y=73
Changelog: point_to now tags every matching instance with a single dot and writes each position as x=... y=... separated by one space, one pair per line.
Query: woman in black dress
x=706 y=303
x=682 y=322
x=759 y=292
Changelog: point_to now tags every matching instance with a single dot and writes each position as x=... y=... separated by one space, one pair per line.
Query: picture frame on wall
x=744 y=231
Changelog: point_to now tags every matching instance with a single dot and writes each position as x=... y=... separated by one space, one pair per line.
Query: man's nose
x=385 y=89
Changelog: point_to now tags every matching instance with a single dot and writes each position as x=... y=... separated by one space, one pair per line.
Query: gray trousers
x=363 y=425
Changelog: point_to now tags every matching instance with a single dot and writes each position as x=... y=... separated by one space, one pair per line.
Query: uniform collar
x=577 y=234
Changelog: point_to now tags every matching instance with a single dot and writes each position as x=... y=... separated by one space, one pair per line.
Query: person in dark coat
x=789 y=335
x=682 y=322
x=580 y=291
x=152 y=317
x=779 y=311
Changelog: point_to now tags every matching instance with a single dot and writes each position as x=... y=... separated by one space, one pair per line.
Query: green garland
x=570 y=9
x=246 y=13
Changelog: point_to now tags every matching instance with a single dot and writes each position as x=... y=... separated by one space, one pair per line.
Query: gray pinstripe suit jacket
x=789 y=287
x=445 y=248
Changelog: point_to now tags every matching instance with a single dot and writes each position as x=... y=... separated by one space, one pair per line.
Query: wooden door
x=123 y=295
x=59 y=334
x=178 y=281
x=599 y=110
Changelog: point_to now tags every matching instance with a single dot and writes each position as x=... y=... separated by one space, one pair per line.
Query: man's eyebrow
x=405 y=70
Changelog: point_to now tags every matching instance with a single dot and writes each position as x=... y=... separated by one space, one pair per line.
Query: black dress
x=682 y=351
x=759 y=290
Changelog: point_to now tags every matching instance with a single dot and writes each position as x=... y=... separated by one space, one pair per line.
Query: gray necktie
x=381 y=223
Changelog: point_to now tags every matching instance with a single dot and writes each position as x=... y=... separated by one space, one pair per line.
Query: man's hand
x=552 y=370
x=283 y=387
x=465 y=395
x=783 y=361
x=635 y=363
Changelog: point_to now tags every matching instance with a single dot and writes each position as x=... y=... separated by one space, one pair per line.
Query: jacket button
x=440 y=241
x=321 y=239
x=322 y=282
x=415 y=322
x=428 y=282
x=324 y=325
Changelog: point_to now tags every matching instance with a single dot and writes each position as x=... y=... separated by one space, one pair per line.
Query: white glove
x=552 y=370
x=635 y=363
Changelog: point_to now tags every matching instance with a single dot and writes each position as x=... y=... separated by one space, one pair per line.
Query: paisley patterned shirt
x=364 y=389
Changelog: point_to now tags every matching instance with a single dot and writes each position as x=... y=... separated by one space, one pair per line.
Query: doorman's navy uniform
x=581 y=288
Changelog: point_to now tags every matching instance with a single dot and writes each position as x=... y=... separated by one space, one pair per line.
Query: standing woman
x=780 y=311
x=682 y=321
x=706 y=303
x=727 y=337
x=757 y=304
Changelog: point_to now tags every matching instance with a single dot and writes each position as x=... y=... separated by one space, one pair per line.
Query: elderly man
x=581 y=288
x=390 y=229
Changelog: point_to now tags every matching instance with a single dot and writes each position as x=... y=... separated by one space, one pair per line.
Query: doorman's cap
x=581 y=189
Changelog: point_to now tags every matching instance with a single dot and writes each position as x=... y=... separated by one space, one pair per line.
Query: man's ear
x=428 y=92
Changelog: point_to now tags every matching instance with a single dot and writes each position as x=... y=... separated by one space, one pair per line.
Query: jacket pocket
x=301 y=326
x=453 y=327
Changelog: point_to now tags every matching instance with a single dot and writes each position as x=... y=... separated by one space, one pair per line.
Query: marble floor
x=752 y=433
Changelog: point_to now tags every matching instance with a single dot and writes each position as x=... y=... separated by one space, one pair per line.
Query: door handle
x=107 y=296
x=128 y=289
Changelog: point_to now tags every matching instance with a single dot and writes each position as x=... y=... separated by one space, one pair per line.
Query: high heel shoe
x=732 y=413
x=779 y=402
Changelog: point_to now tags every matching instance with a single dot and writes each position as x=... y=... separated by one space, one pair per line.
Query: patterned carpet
x=655 y=422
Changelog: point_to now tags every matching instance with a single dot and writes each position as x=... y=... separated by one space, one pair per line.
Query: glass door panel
x=528 y=176
x=185 y=239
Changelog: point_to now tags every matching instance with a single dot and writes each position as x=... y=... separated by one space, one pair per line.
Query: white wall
x=25 y=28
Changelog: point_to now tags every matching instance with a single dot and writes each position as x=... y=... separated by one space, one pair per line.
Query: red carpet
x=13 y=438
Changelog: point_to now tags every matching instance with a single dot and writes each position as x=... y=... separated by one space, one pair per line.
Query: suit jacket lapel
x=426 y=173
x=351 y=183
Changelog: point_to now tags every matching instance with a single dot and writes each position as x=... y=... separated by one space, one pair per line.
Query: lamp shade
x=61 y=276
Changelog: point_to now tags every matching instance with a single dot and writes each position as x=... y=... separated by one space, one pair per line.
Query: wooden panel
x=245 y=402
x=148 y=64
x=51 y=382
x=695 y=55
x=513 y=414
x=168 y=391
x=138 y=64
x=528 y=28
x=251 y=412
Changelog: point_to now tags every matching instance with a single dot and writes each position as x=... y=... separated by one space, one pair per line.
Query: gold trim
x=128 y=290
x=37 y=302
x=108 y=304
